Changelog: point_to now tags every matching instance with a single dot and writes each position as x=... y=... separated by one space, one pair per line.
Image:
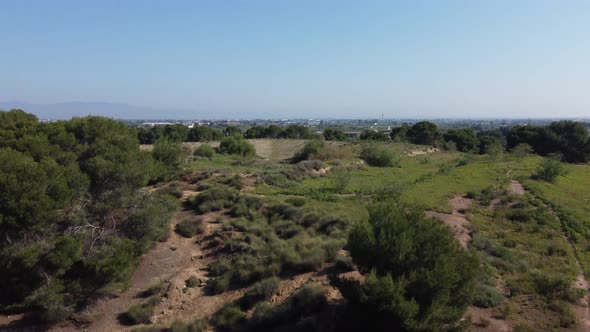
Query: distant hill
x=68 y=110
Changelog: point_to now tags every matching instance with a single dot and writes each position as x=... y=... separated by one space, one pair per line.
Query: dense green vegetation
x=567 y=138
x=72 y=214
x=237 y=146
x=279 y=234
x=418 y=278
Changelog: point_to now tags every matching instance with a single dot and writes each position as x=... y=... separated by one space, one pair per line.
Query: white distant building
x=153 y=124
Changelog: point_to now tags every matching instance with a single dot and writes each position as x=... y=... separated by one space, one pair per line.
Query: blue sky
x=303 y=58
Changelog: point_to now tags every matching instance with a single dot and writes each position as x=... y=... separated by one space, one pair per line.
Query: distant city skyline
x=68 y=110
x=300 y=59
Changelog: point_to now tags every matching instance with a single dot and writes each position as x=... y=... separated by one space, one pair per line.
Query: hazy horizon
x=334 y=59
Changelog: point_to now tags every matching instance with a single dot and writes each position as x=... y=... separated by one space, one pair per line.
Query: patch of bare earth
x=456 y=220
x=249 y=181
x=582 y=307
x=482 y=320
x=289 y=286
x=422 y=152
x=516 y=188
x=263 y=147
x=322 y=171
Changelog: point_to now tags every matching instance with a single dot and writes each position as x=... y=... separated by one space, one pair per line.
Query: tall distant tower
x=381 y=116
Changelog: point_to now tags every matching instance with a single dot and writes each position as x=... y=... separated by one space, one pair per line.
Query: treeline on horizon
x=74 y=218
x=565 y=140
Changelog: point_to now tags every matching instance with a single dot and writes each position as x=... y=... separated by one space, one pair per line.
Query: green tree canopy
x=237 y=146
x=204 y=134
x=418 y=277
x=424 y=132
x=465 y=139
x=73 y=218
x=334 y=134
x=568 y=138
x=372 y=135
x=400 y=134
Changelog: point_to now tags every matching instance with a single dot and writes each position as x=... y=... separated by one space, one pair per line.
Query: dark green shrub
x=66 y=252
x=309 y=151
x=168 y=157
x=229 y=318
x=173 y=188
x=379 y=156
x=152 y=290
x=247 y=206
x=403 y=252
x=445 y=168
x=237 y=146
x=509 y=243
x=205 y=151
x=214 y=199
x=486 y=195
x=260 y=291
x=296 y=201
x=504 y=311
x=556 y=251
x=219 y=266
x=344 y=263
x=220 y=284
x=138 y=314
x=178 y=326
x=567 y=318
x=232 y=181
x=308 y=299
x=340 y=180
x=550 y=169
x=48 y=304
x=523 y=328
x=464 y=138
x=522 y=150
x=555 y=287
x=198 y=325
x=193 y=282
x=189 y=228
x=372 y=135
x=487 y=297
x=424 y=132
x=334 y=134
x=520 y=215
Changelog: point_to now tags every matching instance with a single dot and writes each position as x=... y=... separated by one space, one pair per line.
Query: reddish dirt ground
x=456 y=220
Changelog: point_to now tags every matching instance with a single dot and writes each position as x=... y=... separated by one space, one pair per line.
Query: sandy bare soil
x=516 y=188
x=422 y=152
x=483 y=321
x=582 y=307
x=460 y=225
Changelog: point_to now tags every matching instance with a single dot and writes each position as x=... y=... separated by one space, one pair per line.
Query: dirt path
x=159 y=264
x=582 y=307
x=457 y=220
x=483 y=321
x=172 y=262
x=516 y=188
x=482 y=318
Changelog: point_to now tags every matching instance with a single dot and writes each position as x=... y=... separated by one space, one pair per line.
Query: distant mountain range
x=67 y=110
